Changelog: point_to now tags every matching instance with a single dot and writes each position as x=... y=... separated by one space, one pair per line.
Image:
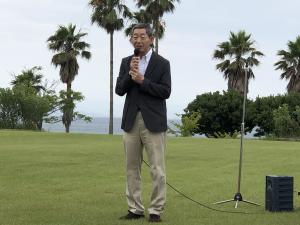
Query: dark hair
x=145 y=26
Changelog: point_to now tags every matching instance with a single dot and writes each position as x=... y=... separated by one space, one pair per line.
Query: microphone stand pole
x=238 y=196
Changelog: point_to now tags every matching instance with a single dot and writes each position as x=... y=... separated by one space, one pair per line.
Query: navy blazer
x=148 y=97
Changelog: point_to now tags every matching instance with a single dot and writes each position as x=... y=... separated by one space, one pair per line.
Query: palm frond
x=61 y=58
x=289 y=64
x=109 y=14
x=30 y=77
x=86 y=54
x=223 y=65
x=256 y=53
x=81 y=45
x=251 y=61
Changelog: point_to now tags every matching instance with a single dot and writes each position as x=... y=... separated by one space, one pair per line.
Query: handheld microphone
x=136 y=52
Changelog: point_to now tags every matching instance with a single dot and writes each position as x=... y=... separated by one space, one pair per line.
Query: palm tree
x=30 y=78
x=109 y=15
x=235 y=55
x=68 y=46
x=290 y=65
x=157 y=8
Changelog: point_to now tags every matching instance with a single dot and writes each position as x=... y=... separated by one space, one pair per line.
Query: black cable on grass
x=204 y=205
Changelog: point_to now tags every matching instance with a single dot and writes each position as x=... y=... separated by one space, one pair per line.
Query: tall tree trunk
x=39 y=125
x=294 y=85
x=111 y=101
x=66 y=121
x=156 y=35
x=237 y=82
x=68 y=114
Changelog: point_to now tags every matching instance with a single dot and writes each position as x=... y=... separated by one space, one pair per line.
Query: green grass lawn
x=60 y=179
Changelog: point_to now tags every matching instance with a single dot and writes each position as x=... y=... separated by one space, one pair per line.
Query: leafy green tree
x=297 y=114
x=35 y=108
x=67 y=104
x=156 y=9
x=221 y=113
x=22 y=108
x=289 y=63
x=188 y=125
x=109 y=15
x=10 y=112
x=235 y=54
x=286 y=123
x=68 y=46
x=36 y=101
x=264 y=107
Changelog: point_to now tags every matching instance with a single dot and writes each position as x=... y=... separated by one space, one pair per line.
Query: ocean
x=99 y=125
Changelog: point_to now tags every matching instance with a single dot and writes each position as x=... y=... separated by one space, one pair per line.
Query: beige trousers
x=155 y=144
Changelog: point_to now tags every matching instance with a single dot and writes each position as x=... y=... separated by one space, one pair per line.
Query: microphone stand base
x=237 y=198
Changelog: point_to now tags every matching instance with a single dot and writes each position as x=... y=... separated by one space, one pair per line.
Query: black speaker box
x=279 y=193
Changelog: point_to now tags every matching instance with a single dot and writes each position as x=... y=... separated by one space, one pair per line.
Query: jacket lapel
x=151 y=64
x=128 y=62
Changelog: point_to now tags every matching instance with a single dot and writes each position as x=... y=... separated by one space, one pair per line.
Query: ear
x=151 y=39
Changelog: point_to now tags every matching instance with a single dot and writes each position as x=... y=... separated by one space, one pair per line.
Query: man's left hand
x=136 y=76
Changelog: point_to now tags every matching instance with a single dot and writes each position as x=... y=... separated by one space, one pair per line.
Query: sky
x=193 y=32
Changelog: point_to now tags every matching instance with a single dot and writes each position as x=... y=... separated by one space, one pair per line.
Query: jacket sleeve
x=124 y=81
x=161 y=89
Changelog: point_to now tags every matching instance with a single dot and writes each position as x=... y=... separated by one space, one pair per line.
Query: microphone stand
x=238 y=196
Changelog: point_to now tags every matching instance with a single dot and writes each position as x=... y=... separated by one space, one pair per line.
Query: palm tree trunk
x=68 y=110
x=294 y=85
x=110 y=130
x=156 y=35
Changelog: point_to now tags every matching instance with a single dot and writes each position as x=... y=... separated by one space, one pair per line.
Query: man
x=145 y=78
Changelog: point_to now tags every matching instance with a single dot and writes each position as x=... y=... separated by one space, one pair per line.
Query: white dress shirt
x=144 y=61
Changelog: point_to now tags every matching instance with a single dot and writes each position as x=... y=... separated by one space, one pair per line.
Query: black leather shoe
x=154 y=218
x=131 y=216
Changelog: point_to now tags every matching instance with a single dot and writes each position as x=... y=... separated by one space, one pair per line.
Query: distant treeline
x=220 y=115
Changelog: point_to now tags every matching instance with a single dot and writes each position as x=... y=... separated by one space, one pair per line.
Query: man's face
x=141 y=40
